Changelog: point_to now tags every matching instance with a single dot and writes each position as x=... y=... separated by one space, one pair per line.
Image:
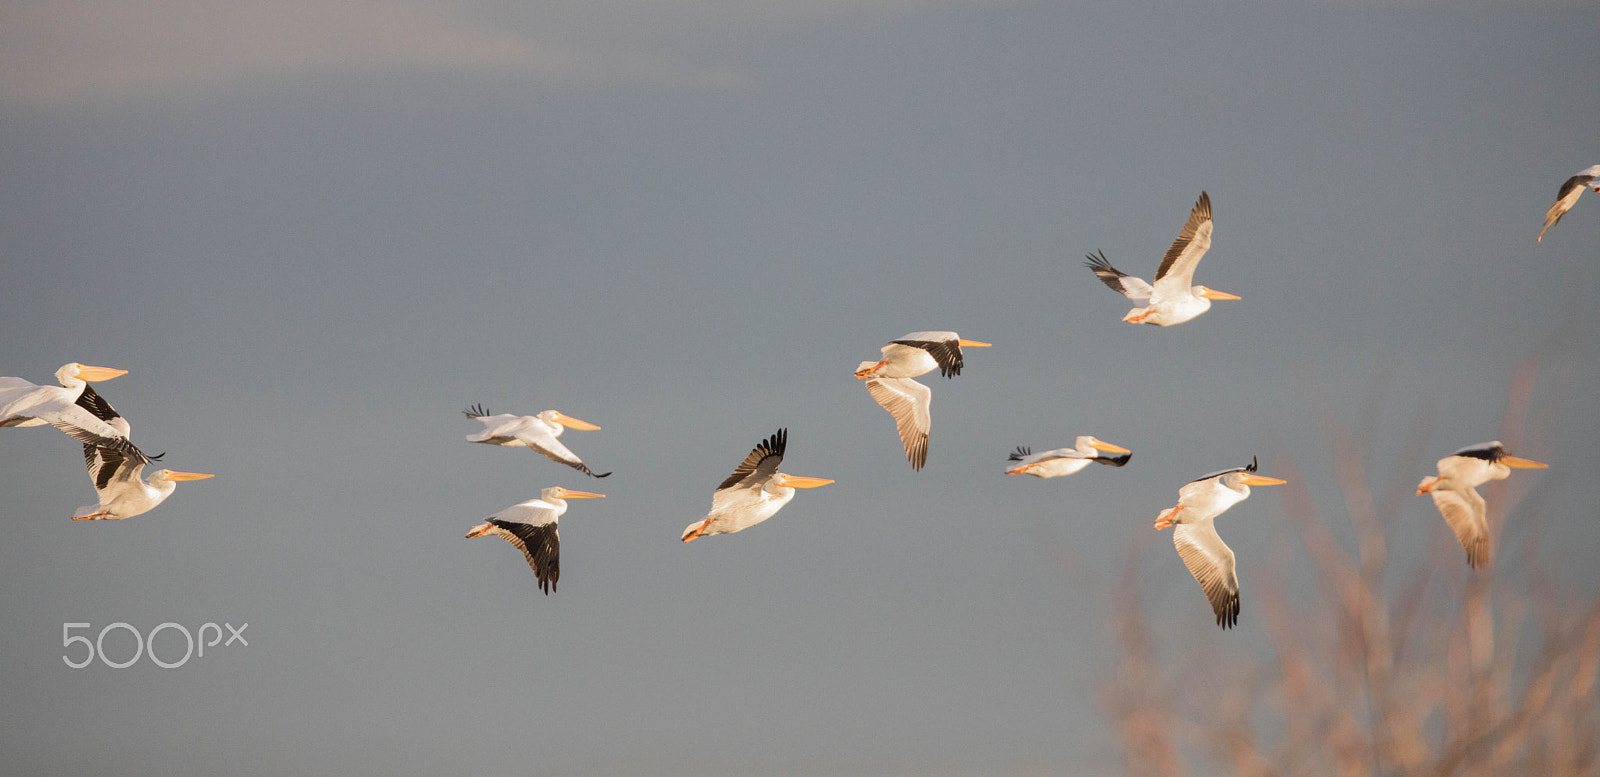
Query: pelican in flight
x=538 y=432
x=1568 y=196
x=531 y=526
x=1455 y=492
x=1171 y=300
x=1210 y=559
x=122 y=494
x=753 y=493
x=889 y=381
x=73 y=407
x=1065 y=461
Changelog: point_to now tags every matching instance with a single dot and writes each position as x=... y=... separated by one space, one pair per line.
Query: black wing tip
x=476 y=411
x=1228 y=613
x=1114 y=461
x=1099 y=263
x=1021 y=453
x=1252 y=467
x=600 y=474
x=777 y=443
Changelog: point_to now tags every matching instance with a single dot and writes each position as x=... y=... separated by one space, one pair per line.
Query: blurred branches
x=1371 y=663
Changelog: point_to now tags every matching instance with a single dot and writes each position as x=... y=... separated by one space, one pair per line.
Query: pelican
x=538 y=432
x=1171 y=300
x=1065 y=461
x=1210 y=559
x=531 y=526
x=1455 y=492
x=73 y=407
x=753 y=493
x=122 y=494
x=1568 y=197
x=889 y=381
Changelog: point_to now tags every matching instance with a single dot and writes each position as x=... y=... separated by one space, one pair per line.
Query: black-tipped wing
x=553 y=450
x=1210 y=560
x=945 y=353
x=908 y=401
x=108 y=464
x=1488 y=451
x=540 y=545
x=476 y=411
x=761 y=464
x=1022 y=453
x=97 y=405
x=1120 y=282
x=1467 y=514
x=1192 y=243
x=1112 y=461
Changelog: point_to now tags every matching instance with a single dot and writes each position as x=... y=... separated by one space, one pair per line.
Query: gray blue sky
x=314 y=234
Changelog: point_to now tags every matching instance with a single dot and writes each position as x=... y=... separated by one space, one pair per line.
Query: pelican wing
x=532 y=527
x=908 y=401
x=108 y=464
x=1466 y=512
x=1112 y=461
x=759 y=466
x=1565 y=199
x=1120 y=282
x=944 y=347
x=1210 y=560
x=552 y=449
x=1177 y=267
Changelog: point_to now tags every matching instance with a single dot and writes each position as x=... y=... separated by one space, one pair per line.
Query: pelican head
x=74 y=371
x=1101 y=445
x=557 y=417
x=557 y=492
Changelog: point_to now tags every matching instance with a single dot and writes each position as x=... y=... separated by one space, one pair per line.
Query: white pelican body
x=1455 y=492
x=1171 y=300
x=753 y=493
x=538 y=432
x=122 y=494
x=1208 y=558
x=73 y=407
x=1568 y=196
x=532 y=527
x=1065 y=461
x=889 y=381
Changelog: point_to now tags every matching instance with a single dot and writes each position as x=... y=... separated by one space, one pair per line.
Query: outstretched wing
x=1565 y=199
x=1210 y=560
x=908 y=401
x=944 y=347
x=1120 y=282
x=1467 y=514
x=552 y=449
x=1177 y=267
x=760 y=465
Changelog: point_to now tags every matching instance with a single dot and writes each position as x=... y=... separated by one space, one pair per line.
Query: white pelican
x=538 y=432
x=531 y=526
x=918 y=353
x=1171 y=300
x=889 y=381
x=1568 y=197
x=753 y=493
x=1455 y=492
x=1210 y=559
x=1065 y=461
x=122 y=494
x=73 y=407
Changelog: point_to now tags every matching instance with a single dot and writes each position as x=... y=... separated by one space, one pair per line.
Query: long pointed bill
x=1513 y=461
x=1214 y=294
x=972 y=344
x=187 y=476
x=797 y=482
x=91 y=374
x=1261 y=480
x=573 y=423
x=580 y=495
x=1102 y=445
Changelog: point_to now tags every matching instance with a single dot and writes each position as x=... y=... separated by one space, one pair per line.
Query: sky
x=314 y=234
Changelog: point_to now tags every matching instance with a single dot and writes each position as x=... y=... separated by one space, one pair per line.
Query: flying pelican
x=1568 y=197
x=753 y=493
x=531 y=526
x=122 y=494
x=1171 y=300
x=1455 y=492
x=538 y=432
x=1210 y=559
x=1065 y=461
x=889 y=381
x=73 y=407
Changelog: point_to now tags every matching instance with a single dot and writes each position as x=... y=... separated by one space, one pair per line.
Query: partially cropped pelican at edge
x=1455 y=492
x=753 y=493
x=889 y=381
x=1171 y=300
x=537 y=432
x=532 y=527
x=1065 y=461
x=73 y=407
x=1571 y=190
x=122 y=494
x=1208 y=558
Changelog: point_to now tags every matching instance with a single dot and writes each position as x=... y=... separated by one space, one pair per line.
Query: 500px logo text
x=145 y=644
